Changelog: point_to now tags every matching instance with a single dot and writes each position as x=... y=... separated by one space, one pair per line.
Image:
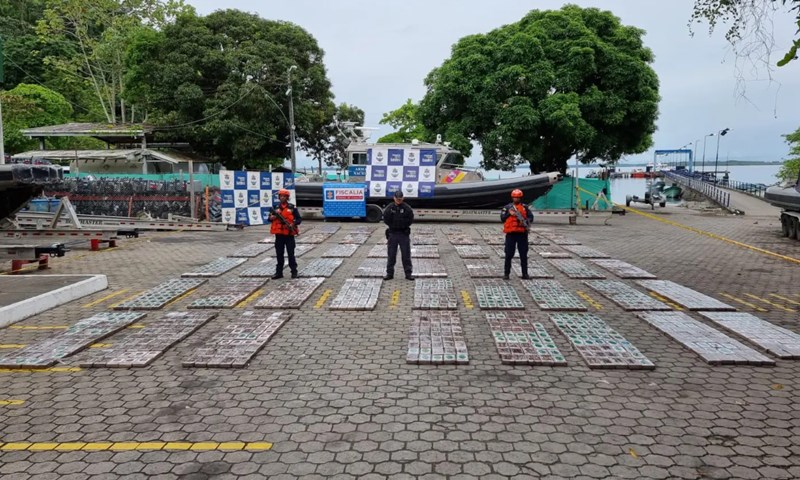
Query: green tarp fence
x=562 y=195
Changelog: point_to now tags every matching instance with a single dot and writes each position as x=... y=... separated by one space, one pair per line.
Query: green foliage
x=749 y=22
x=220 y=82
x=28 y=106
x=100 y=31
x=791 y=168
x=405 y=120
x=329 y=144
x=553 y=85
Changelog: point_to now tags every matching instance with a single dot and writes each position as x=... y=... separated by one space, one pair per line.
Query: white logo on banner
x=240 y=200
x=395 y=174
x=427 y=174
x=255 y=215
x=410 y=189
x=253 y=180
x=277 y=181
x=380 y=156
x=379 y=189
x=226 y=182
x=411 y=157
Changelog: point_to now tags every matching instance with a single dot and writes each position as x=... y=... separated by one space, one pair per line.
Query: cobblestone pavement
x=333 y=394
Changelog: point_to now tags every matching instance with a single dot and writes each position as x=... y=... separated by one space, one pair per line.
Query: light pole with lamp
x=722 y=133
x=704 y=151
x=694 y=150
x=682 y=148
x=291 y=116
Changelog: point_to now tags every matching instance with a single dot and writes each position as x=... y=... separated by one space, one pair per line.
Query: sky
x=378 y=53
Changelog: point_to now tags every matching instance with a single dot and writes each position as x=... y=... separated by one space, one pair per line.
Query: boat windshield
x=452 y=160
x=358 y=158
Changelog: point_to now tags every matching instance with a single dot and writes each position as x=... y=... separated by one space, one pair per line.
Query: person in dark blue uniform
x=398 y=217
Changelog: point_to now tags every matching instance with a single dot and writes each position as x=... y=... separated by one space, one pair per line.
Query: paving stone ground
x=333 y=392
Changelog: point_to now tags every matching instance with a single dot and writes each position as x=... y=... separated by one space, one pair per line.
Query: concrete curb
x=11 y=314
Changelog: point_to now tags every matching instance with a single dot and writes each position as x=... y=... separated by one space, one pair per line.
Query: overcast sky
x=367 y=42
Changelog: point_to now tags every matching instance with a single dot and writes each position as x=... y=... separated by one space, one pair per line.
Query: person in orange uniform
x=284 y=230
x=516 y=227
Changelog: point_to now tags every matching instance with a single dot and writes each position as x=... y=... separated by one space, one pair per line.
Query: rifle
x=519 y=217
x=291 y=226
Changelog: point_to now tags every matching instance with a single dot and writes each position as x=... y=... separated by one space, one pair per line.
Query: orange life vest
x=277 y=227
x=512 y=224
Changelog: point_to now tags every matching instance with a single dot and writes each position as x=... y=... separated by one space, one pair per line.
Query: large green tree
x=556 y=84
x=749 y=25
x=791 y=168
x=220 y=82
x=27 y=106
x=330 y=142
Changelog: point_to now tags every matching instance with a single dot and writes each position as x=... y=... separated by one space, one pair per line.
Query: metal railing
x=754 y=189
x=717 y=195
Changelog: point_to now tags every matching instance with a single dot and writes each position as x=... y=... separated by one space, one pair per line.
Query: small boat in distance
x=457 y=186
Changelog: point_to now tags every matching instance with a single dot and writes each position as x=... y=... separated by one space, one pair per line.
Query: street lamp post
x=704 y=151
x=722 y=133
x=291 y=116
x=694 y=152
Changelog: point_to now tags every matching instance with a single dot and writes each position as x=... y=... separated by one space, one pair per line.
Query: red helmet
x=516 y=193
x=283 y=191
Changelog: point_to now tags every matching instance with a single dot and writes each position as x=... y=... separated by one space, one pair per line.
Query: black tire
x=374 y=213
x=662 y=204
x=628 y=202
x=785 y=225
x=794 y=228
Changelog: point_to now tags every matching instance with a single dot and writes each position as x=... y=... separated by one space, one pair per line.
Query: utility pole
x=704 y=151
x=722 y=133
x=291 y=116
x=2 y=144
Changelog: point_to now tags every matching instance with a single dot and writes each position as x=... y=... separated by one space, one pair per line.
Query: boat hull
x=21 y=182
x=783 y=197
x=475 y=195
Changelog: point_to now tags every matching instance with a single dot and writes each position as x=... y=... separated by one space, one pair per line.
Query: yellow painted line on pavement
x=784 y=298
x=11 y=345
x=770 y=303
x=133 y=446
x=12 y=402
x=590 y=300
x=136 y=325
x=739 y=300
x=324 y=298
x=39 y=327
x=126 y=299
x=41 y=370
x=100 y=345
x=633 y=453
x=467 y=299
x=250 y=299
x=668 y=302
x=395 y=299
x=713 y=235
x=107 y=297
x=181 y=297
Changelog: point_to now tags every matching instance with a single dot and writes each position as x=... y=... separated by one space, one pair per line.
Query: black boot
x=277 y=275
